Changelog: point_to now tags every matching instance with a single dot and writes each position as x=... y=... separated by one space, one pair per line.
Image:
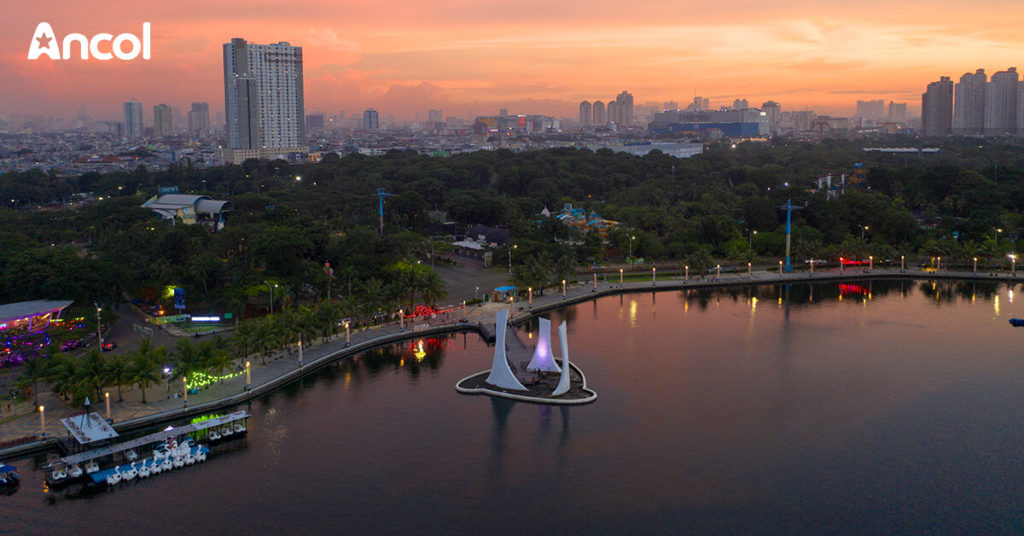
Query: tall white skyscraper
x=133 y=119
x=969 y=103
x=586 y=113
x=263 y=98
x=1001 y=103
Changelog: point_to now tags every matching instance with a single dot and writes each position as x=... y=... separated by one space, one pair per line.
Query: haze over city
x=529 y=57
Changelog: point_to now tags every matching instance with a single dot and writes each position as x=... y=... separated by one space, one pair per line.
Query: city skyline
x=403 y=59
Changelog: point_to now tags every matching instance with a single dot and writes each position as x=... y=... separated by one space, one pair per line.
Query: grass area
x=202 y=328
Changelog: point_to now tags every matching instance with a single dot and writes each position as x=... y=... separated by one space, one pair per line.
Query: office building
x=969 y=103
x=199 y=119
x=773 y=111
x=132 y=119
x=586 y=113
x=371 y=120
x=1001 y=103
x=263 y=97
x=162 y=125
x=937 y=108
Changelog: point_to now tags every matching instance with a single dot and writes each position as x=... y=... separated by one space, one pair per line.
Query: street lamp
x=475 y=292
x=750 y=238
x=1013 y=264
x=298 y=179
x=975 y=265
x=871 y=262
x=630 y=259
x=99 y=325
x=862 y=229
x=780 y=269
x=510 y=259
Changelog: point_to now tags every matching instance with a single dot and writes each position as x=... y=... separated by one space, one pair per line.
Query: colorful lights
x=199 y=380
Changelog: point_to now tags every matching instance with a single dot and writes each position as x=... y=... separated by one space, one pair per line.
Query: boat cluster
x=166 y=457
x=225 y=432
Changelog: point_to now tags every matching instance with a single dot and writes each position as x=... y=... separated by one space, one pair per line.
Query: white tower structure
x=563 y=380
x=501 y=375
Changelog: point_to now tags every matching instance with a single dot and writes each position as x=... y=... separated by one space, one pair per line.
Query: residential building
x=586 y=113
x=937 y=108
x=969 y=104
x=133 y=119
x=162 y=124
x=1001 y=103
x=600 y=114
x=371 y=120
x=199 y=119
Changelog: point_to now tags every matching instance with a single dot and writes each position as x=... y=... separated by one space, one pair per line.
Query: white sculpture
x=542 y=357
x=563 y=380
x=501 y=375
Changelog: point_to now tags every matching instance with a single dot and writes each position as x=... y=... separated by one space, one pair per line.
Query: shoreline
x=334 y=349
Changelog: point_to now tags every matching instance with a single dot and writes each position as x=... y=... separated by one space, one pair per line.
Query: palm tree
x=119 y=372
x=243 y=338
x=144 y=373
x=433 y=288
x=32 y=373
x=189 y=359
x=92 y=372
x=264 y=337
x=61 y=375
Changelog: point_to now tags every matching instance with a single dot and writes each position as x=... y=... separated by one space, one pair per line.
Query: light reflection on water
x=888 y=406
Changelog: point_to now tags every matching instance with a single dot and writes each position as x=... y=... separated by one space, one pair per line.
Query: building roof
x=167 y=205
x=14 y=311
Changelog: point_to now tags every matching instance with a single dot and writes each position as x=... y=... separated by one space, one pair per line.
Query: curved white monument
x=501 y=375
x=542 y=358
x=563 y=380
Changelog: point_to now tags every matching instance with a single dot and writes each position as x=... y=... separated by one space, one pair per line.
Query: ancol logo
x=44 y=43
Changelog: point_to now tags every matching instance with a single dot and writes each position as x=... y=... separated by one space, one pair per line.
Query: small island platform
x=539 y=387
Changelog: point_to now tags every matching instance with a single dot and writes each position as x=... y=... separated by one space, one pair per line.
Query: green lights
x=199 y=380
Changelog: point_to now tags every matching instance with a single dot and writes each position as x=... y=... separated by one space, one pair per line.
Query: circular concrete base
x=537 y=393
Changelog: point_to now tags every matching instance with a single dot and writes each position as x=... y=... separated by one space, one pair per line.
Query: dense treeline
x=291 y=219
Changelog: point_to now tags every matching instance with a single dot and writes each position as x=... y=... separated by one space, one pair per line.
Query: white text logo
x=45 y=43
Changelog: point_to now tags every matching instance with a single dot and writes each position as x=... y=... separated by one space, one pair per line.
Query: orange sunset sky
x=530 y=56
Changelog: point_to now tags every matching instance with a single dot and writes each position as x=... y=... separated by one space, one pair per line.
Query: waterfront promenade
x=22 y=422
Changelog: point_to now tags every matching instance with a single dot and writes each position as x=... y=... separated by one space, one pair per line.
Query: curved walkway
x=285 y=368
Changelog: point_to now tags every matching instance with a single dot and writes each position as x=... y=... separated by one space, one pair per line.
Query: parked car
x=109 y=345
x=70 y=344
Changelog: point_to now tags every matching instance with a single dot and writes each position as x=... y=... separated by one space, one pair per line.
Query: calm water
x=895 y=409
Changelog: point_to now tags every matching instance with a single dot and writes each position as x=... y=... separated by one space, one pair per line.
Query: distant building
x=371 y=120
x=133 y=120
x=773 y=111
x=162 y=123
x=435 y=116
x=1001 y=103
x=586 y=113
x=937 y=108
x=734 y=123
x=263 y=100
x=897 y=112
x=199 y=119
x=315 y=124
x=600 y=114
x=969 y=104
x=740 y=104
x=872 y=109
x=190 y=209
x=623 y=109
x=613 y=112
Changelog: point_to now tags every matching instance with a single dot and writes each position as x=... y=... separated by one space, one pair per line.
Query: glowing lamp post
x=300 y=350
x=975 y=265
x=687 y=276
x=595 y=282
x=654 y=276
x=841 y=265
x=106 y=399
x=812 y=266
x=1013 y=264
x=903 y=263
x=871 y=262
x=248 y=370
x=99 y=325
x=938 y=265
x=718 y=268
x=401 y=318
x=348 y=325
x=780 y=269
x=620 y=277
x=563 y=289
x=42 y=421
x=530 y=290
x=184 y=388
x=750 y=274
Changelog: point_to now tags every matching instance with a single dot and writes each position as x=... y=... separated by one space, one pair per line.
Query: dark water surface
x=885 y=407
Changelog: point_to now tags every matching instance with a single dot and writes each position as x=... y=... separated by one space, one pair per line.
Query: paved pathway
x=21 y=421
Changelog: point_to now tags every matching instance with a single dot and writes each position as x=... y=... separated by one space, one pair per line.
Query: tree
x=144 y=373
x=32 y=373
x=189 y=359
x=119 y=372
x=92 y=372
